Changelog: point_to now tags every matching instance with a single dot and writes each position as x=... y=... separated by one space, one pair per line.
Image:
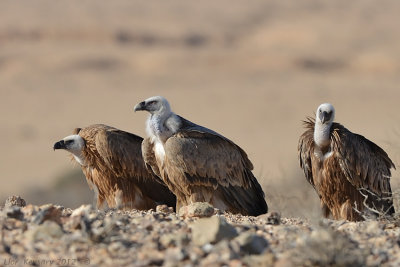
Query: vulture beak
x=324 y=117
x=59 y=145
x=140 y=106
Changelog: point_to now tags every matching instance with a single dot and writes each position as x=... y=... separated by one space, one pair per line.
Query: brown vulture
x=350 y=174
x=112 y=162
x=198 y=164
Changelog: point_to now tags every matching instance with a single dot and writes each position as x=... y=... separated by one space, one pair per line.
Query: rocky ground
x=52 y=235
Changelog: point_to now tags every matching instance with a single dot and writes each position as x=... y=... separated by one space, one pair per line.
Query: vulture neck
x=162 y=126
x=78 y=156
x=322 y=135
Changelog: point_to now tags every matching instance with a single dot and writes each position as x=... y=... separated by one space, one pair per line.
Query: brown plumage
x=350 y=174
x=198 y=164
x=112 y=162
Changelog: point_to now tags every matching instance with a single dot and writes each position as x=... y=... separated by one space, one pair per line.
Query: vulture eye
x=152 y=102
x=69 y=142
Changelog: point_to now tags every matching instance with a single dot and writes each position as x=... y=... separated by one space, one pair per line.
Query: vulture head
x=73 y=144
x=325 y=114
x=156 y=105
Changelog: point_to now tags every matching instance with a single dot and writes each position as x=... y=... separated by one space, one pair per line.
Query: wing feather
x=121 y=151
x=306 y=149
x=364 y=164
x=206 y=157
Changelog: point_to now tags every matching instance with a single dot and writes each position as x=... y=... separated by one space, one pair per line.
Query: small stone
x=73 y=223
x=207 y=248
x=66 y=212
x=79 y=218
x=15 y=201
x=273 y=218
x=217 y=211
x=197 y=209
x=164 y=208
x=14 y=212
x=251 y=243
x=211 y=230
x=82 y=210
x=30 y=210
x=348 y=226
x=48 y=212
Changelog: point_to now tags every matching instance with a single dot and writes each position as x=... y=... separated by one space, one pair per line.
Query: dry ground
x=52 y=236
x=251 y=71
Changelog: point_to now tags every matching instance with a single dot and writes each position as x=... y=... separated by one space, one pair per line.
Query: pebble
x=197 y=209
x=211 y=230
x=13 y=212
x=251 y=243
x=164 y=208
x=15 y=201
x=273 y=218
x=48 y=212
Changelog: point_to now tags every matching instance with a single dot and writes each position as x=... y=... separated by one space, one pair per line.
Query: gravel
x=52 y=235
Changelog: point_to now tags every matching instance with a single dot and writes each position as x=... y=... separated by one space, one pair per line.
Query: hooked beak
x=59 y=145
x=324 y=117
x=140 y=106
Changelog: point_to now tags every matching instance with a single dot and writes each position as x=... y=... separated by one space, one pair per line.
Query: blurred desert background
x=248 y=70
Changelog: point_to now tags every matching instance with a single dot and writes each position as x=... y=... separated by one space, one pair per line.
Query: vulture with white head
x=112 y=162
x=350 y=174
x=198 y=164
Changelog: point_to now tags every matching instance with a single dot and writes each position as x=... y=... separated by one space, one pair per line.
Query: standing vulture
x=112 y=162
x=198 y=164
x=350 y=174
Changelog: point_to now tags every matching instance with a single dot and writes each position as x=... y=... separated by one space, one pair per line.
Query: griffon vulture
x=112 y=162
x=198 y=164
x=350 y=174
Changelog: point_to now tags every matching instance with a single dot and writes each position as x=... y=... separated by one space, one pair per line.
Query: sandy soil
x=249 y=71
